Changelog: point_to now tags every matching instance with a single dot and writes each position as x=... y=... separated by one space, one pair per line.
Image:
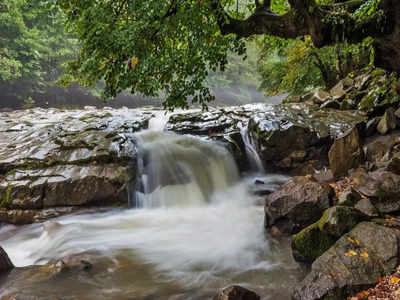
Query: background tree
x=149 y=46
x=33 y=46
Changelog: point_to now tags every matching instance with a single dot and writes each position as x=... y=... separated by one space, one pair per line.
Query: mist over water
x=196 y=228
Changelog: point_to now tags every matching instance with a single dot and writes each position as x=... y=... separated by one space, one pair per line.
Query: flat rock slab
x=52 y=158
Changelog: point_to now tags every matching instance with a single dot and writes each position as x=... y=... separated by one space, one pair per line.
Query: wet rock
x=345 y=153
x=348 y=197
x=378 y=149
x=77 y=262
x=354 y=263
x=276 y=131
x=313 y=241
x=282 y=130
x=320 y=97
x=397 y=113
x=28 y=216
x=380 y=187
x=341 y=88
x=394 y=164
x=297 y=204
x=331 y=104
x=324 y=176
x=366 y=207
x=5 y=262
x=388 y=122
x=62 y=158
x=236 y=293
x=371 y=127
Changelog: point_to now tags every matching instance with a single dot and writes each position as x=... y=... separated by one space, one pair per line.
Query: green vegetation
x=33 y=47
x=296 y=66
x=184 y=51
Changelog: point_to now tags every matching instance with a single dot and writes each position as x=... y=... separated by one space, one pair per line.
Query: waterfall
x=179 y=170
x=254 y=159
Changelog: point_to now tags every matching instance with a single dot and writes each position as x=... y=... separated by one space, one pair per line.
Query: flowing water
x=195 y=228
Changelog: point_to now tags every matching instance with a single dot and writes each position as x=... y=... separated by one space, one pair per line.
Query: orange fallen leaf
x=394 y=279
x=350 y=253
x=364 y=255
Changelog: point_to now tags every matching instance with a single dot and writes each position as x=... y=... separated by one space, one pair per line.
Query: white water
x=198 y=227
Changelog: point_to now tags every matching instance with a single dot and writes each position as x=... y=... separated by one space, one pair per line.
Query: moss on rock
x=314 y=240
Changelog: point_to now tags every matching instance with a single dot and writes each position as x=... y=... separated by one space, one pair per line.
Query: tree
x=297 y=67
x=150 y=46
x=33 y=46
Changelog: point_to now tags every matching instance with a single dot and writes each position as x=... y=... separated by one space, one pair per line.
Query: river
x=194 y=227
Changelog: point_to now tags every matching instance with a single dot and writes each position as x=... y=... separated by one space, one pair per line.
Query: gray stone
x=345 y=153
x=61 y=158
x=5 y=262
x=297 y=204
x=354 y=263
x=388 y=122
x=313 y=241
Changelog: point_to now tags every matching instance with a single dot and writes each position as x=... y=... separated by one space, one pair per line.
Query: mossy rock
x=311 y=243
x=314 y=240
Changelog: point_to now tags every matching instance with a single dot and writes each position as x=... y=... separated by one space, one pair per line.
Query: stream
x=194 y=227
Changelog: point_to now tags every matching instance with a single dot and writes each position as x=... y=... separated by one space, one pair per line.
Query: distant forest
x=35 y=47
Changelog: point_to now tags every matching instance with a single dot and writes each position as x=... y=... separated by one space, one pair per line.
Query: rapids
x=195 y=227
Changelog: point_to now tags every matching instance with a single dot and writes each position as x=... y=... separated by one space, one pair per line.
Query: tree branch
x=305 y=17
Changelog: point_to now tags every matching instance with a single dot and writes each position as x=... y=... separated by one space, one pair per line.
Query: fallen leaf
x=364 y=255
x=350 y=253
x=353 y=241
x=394 y=279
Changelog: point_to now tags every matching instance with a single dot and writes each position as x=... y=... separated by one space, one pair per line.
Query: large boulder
x=286 y=136
x=297 y=204
x=236 y=293
x=379 y=149
x=5 y=262
x=346 y=153
x=381 y=187
x=281 y=130
x=353 y=263
x=314 y=240
x=65 y=158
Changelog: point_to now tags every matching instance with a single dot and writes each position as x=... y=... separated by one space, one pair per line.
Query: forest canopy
x=149 y=46
x=172 y=49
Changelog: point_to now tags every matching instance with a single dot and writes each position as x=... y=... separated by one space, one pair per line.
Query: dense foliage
x=182 y=50
x=156 y=47
x=33 y=45
x=296 y=66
